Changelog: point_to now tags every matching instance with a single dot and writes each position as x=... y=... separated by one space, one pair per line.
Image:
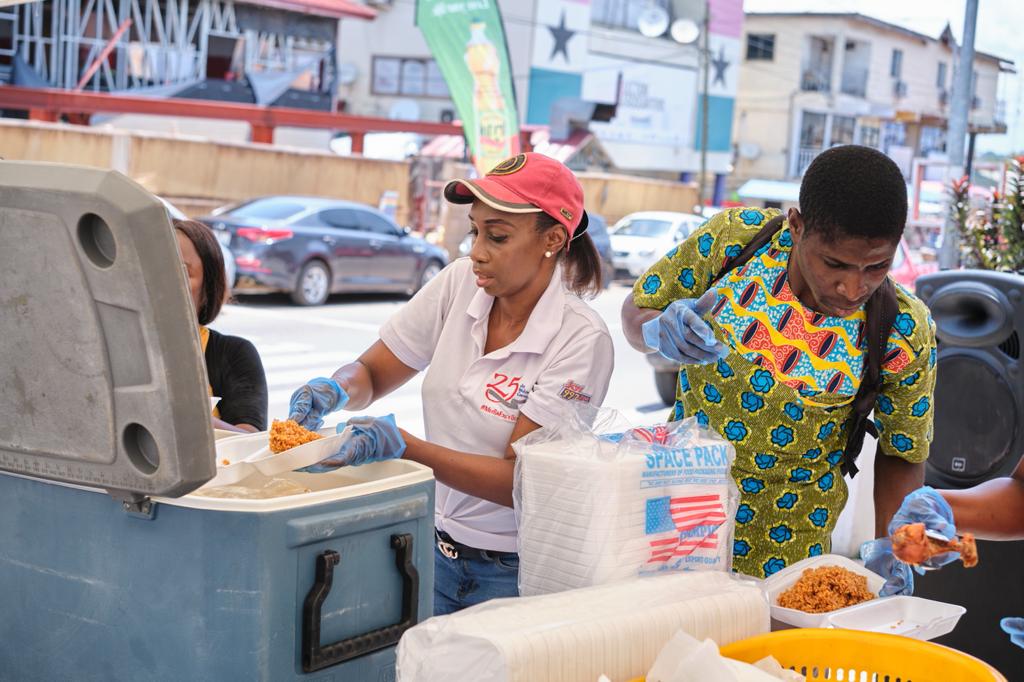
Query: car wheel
x=430 y=271
x=313 y=285
x=666 y=383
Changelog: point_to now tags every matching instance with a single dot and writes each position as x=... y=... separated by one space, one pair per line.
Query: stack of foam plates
x=586 y=520
x=615 y=630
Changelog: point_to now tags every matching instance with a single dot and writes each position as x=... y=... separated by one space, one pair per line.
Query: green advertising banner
x=467 y=39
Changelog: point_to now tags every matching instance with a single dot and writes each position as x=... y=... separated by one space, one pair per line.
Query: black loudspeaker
x=979 y=435
x=979 y=394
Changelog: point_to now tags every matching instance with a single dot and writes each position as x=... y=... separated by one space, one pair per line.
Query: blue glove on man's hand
x=1014 y=627
x=373 y=439
x=680 y=334
x=878 y=557
x=312 y=401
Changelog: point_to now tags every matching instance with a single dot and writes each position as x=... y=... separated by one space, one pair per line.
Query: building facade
x=267 y=52
x=812 y=81
x=577 y=64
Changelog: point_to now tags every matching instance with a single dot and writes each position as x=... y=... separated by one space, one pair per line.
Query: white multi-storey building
x=811 y=81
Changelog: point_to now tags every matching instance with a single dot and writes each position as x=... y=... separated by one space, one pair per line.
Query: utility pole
x=705 y=54
x=959 y=110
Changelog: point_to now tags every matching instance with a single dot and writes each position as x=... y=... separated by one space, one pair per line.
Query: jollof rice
x=285 y=435
x=826 y=589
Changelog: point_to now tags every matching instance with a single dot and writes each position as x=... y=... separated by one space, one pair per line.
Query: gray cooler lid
x=102 y=379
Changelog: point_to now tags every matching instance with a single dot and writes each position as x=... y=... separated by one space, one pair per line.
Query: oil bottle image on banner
x=493 y=141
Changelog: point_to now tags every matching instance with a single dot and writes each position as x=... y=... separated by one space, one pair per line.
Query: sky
x=1000 y=23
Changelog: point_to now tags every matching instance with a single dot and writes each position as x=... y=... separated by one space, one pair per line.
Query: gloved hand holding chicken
x=892 y=557
x=915 y=545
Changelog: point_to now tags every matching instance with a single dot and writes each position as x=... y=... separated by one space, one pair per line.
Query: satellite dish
x=404 y=110
x=685 y=31
x=749 y=150
x=347 y=73
x=653 y=21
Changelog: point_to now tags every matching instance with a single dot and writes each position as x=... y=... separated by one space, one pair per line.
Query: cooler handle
x=316 y=657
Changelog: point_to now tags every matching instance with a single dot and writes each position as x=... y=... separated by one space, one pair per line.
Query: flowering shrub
x=992 y=237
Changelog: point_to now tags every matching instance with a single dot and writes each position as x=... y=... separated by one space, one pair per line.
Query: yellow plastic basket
x=854 y=656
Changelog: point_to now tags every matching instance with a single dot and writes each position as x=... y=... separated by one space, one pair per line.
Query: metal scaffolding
x=157 y=44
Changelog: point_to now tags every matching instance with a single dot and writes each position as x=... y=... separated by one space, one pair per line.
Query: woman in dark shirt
x=232 y=364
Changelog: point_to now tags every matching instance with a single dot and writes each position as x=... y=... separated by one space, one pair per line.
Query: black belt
x=456 y=550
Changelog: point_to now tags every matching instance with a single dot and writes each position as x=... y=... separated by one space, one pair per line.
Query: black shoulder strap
x=882 y=308
x=763 y=236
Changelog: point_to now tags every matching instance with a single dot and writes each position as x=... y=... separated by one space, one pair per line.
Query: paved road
x=297 y=344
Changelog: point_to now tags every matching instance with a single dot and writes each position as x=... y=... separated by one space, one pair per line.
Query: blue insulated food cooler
x=91 y=592
x=114 y=563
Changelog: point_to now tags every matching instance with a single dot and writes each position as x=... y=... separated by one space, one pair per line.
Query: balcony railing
x=815 y=80
x=999 y=115
x=804 y=157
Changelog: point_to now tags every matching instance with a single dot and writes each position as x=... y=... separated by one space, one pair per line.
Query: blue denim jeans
x=459 y=583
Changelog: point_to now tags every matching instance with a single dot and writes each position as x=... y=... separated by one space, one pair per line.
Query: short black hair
x=215 y=279
x=854 y=191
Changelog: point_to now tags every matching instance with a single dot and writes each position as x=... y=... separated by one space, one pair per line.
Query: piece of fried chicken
x=285 y=435
x=911 y=545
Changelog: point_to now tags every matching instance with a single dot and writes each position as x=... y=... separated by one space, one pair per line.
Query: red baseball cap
x=527 y=183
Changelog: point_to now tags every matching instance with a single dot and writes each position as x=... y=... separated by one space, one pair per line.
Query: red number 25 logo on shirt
x=503 y=389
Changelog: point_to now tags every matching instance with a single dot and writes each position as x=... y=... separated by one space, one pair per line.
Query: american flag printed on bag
x=680 y=526
x=654 y=434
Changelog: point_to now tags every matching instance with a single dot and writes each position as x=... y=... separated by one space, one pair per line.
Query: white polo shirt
x=471 y=401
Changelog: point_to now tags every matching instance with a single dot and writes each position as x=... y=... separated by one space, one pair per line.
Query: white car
x=640 y=239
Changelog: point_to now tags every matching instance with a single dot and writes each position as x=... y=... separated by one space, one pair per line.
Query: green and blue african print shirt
x=783 y=395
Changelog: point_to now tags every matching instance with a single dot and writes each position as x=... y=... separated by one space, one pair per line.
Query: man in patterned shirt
x=772 y=356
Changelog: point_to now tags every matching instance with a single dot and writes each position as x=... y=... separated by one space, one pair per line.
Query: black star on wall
x=720 y=64
x=561 y=35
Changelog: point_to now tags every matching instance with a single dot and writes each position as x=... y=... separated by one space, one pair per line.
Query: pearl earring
x=547 y=254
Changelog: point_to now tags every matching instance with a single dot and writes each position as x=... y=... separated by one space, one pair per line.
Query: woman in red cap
x=507 y=342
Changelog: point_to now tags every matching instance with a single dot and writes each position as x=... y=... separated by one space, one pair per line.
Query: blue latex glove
x=1014 y=627
x=373 y=439
x=926 y=506
x=680 y=334
x=878 y=557
x=312 y=401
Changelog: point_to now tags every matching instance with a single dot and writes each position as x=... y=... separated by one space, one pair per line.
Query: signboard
x=467 y=39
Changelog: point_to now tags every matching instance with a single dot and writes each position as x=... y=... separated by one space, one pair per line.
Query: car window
x=271 y=208
x=375 y=223
x=687 y=226
x=645 y=227
x=338 y=218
